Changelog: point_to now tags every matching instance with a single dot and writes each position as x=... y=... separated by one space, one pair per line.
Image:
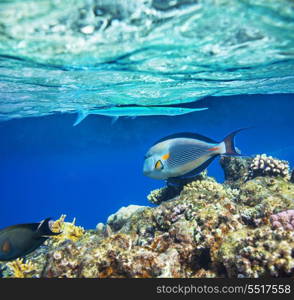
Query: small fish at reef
x=184 y=155
x=20 y=240
x=136 y=111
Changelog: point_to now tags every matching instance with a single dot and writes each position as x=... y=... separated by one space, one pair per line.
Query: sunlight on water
x=71 y=55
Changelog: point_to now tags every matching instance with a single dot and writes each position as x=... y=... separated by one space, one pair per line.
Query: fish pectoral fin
x=51 y=234
x=197 y=170
x=82 y=114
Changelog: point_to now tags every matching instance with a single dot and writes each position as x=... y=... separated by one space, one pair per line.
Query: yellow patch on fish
x=158 y=165
x=165 y=156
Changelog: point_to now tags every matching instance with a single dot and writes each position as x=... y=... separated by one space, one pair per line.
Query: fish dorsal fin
x=189 y=135
x=40 y=225
x=82 y=114
x=44 y=229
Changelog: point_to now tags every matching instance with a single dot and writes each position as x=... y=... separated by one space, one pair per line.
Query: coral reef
x=260 y=198
x=242 y=228
x=259 y=252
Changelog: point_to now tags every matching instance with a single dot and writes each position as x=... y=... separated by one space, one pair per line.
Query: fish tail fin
x=44 y=229
x=201 y=108
x=82 y=114
x=114 y=119
x=229 y=142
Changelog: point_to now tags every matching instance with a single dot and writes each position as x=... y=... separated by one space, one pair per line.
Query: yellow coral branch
x=69 y=231
x=21 y=269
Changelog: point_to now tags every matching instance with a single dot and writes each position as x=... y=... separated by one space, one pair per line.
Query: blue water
x=61 y=57
x=49 y=168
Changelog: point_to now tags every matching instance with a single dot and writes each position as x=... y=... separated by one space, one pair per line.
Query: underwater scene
x=146 y=138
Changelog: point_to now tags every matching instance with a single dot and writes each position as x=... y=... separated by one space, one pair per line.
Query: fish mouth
x=147 y=172
x=146 y=168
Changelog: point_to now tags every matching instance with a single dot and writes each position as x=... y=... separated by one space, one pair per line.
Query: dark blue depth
x=48 y=167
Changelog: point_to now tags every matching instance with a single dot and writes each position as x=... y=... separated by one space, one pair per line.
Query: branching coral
x=58 y=225
x=69 y=231
x=21 y=269
x=263 y=165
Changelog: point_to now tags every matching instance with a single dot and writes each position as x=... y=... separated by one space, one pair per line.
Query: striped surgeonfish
x=185 y=155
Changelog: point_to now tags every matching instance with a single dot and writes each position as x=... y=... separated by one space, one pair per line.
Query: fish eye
x=158 y=165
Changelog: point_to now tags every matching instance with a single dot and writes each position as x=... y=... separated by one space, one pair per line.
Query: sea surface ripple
x=62 y=56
